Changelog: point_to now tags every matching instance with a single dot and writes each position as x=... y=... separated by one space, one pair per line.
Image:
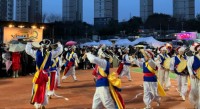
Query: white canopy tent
x=197 y=40
x=123 y=42
x=106 y=42
x=149 y=40
x=91 y=44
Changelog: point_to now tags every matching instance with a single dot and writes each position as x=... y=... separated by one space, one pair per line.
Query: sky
x=127 y=8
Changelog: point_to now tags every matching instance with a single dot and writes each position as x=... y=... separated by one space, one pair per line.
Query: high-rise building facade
x=184 y=9
x=146 y=9
x=104 y=11
x=6 y=10
x=72 y=10
x=22 y=10
x=35 y=11
x=29 y=10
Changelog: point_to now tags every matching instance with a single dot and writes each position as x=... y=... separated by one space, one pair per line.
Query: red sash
x=41 y=88
x=69 y=65
x=149 y=74
x=95 y=71
x=52 y=81
x=120 y=68
x=40 y=79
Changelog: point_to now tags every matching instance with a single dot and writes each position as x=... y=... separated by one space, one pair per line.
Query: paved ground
x=15 y=93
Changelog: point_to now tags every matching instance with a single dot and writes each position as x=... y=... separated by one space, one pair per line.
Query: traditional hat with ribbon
x=45 y=43
x=192 y=47
x=197 y=48
x=36 y=44
x=162 y=48
x=126 y=49
x=180 y=48
x=149 y=53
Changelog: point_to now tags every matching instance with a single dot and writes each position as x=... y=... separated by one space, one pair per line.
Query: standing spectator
x=24 y=60
x=6 y=58
x=84 y=60
x=1 y=51
x=81 y=59
x=31 y=62
x=16 y=64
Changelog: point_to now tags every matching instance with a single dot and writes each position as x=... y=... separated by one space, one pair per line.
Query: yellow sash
x=113 y=81
x=198 y=73
x=54 y=64
x=37 y=74
x=41 y=67
x=70 y=56
x=161 y=91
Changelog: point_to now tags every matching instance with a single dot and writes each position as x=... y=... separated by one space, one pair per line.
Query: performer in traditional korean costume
x=43 y=59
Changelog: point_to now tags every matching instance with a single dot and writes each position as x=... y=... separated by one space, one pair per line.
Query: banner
x=187 y=36
x=13 y=33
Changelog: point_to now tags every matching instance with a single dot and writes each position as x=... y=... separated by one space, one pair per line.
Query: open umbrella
x=17 y=47
x=8 y=65
x=70 y=43
x=14 y=42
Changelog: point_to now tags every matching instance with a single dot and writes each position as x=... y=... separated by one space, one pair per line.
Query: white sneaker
x=148 y=107
x=16 y=76
x=130 y=80
x=158 y=104
x=64 y=77
x=166 y=89
x=183 y=97
x=158 y=101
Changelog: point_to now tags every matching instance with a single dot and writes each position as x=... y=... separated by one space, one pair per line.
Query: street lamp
x=52 y=33
x=86 y=31
x=169 y=19
x=182 y=24
x=144 y=14
x=160 y=28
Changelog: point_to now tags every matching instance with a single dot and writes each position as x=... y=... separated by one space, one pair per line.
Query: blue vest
x=162 y=59
x=177 y=61
x=125 y=63
x=103 y=81
x=40 y=59
x=196 y=64
x=53 y=68
x=70 y=60
x=148 y=79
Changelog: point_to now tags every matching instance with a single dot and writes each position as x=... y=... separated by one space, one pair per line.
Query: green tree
x=108 y=30
x=192 y=25
x=158 y=21
x=134 y=25
x=198 y=17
